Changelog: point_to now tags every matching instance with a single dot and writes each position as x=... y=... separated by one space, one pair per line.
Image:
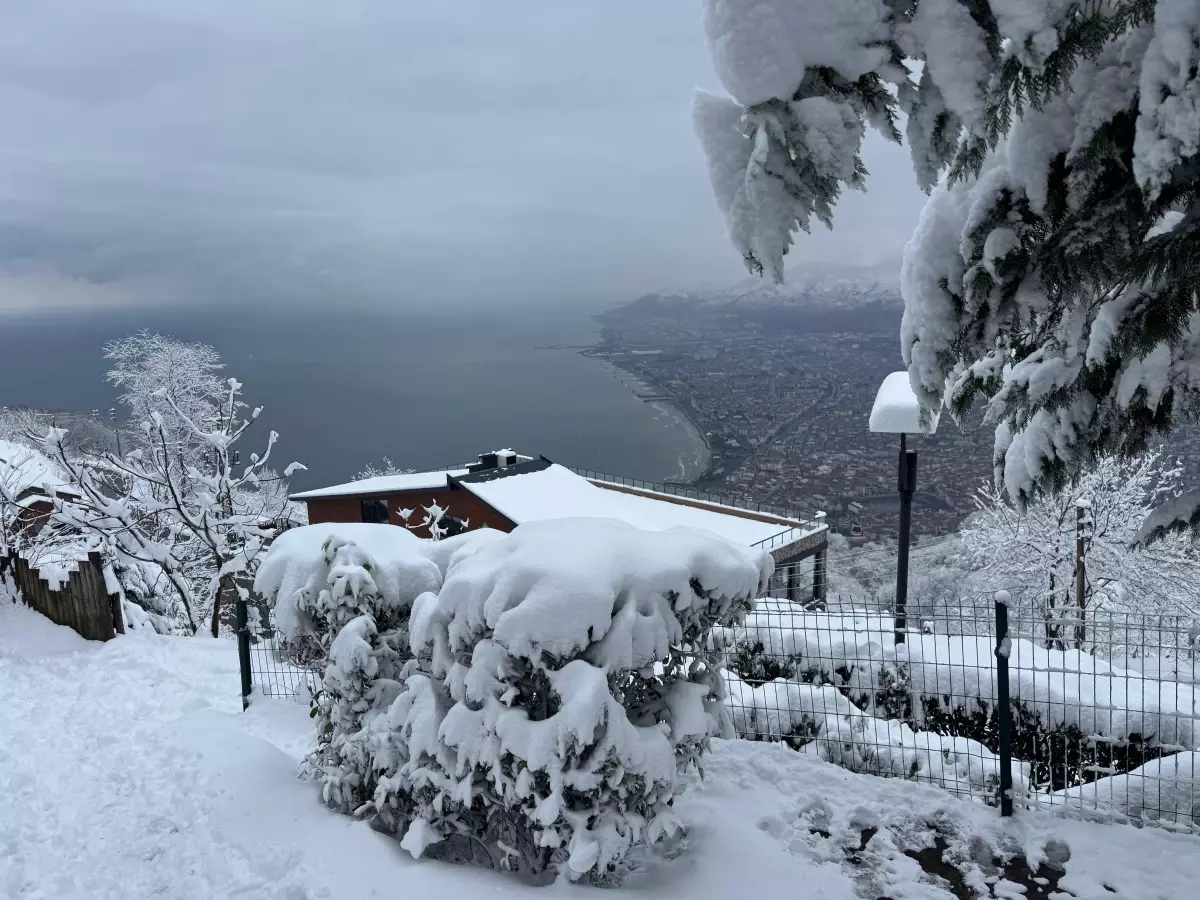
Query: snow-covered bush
x=849 y=736
x=294 y=577
x=562 y=688
x=342 y=596
x=1164 y=791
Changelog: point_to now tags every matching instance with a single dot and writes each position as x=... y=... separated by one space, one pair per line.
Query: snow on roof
x=558 y=493
x=383 y=484
x=897 y=409
x=23 y=468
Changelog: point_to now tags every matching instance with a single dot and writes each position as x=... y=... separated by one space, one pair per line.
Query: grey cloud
x=376 y=152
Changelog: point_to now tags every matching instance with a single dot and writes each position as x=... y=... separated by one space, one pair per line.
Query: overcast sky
x=409 y=153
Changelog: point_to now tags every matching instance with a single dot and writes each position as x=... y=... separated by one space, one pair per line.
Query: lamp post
x=897 y=411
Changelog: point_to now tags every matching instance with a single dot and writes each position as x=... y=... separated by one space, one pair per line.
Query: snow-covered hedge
x=554 y=688
x=819 y=716
x=1072 y=713
x=1164 y=791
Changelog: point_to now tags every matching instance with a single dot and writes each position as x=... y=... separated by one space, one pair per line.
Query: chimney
x=497 y=459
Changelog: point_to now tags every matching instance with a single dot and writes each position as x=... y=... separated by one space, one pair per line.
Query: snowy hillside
x=821 y=286
x=129 y=772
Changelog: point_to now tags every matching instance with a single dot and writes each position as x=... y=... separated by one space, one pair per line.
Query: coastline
x=694 y=462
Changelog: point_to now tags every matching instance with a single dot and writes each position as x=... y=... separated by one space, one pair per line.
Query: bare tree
x=203 y=524
x=388 y=468
x=1076 y=552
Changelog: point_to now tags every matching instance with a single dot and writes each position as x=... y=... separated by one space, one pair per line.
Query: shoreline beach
x=695 y=459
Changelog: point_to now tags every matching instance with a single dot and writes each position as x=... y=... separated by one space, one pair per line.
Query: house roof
x=383 y=484
x=24 y=470
x=542 y=490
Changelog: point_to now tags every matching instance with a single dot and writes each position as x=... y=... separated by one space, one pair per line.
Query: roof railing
x=688 y=492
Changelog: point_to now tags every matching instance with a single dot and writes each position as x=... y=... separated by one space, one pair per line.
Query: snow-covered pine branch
x=1054 y=270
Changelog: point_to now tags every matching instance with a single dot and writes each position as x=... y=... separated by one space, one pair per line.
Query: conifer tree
x=1054 y=272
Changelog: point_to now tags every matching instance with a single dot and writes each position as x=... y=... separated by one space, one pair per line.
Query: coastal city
x=782 y=396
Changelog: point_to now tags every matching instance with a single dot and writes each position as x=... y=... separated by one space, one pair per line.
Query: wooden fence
x=82 y=602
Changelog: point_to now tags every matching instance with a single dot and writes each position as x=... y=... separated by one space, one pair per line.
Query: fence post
x=1003 y=709
x=243 y=645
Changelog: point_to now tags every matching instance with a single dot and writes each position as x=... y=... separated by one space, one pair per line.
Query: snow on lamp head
x=897 y=410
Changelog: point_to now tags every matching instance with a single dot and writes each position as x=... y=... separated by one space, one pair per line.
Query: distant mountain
x=823 y=286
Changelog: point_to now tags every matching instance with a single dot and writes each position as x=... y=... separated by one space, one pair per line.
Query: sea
x=347 y=388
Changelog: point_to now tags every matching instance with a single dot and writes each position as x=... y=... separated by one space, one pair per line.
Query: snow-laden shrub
x=563 y=686
x=342 y=596
x=845 y=734
x=314 y=591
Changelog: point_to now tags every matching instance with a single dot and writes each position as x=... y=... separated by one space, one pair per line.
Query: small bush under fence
x=1113 y=736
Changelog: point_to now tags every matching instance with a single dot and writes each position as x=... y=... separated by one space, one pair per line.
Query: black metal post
x=907 y=483
x=1003 y=710
x=243 y=645
x=820 y=567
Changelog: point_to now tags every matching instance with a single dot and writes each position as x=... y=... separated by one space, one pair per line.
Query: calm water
x=344 y=389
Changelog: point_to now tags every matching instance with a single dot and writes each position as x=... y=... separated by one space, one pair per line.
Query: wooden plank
x=81 y=603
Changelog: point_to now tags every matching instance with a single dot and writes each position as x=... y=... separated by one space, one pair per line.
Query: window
x=375 y=511
x=454 y=525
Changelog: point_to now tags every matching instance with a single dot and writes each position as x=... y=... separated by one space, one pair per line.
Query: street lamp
x=897 y=411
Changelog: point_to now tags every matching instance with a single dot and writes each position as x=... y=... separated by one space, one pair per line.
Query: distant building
x=30 y=480
x=504 y=489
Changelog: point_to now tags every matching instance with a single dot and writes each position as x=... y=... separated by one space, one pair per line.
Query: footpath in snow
x=128 y=771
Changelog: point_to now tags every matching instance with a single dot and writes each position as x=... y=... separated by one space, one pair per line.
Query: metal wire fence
x=688 y=492
x=272 y=666
x=1014 y=702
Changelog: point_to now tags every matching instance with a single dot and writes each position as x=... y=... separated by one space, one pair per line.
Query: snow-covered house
x=28 y=480
x=504 y=489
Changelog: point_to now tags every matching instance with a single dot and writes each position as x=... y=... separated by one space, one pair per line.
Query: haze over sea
x=344 y=389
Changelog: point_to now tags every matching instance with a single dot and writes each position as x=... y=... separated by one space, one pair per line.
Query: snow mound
x=820 y=716
x=27 y=634
x=22 y=468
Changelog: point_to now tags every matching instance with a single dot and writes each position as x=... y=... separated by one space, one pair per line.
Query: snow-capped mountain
x=822 y=286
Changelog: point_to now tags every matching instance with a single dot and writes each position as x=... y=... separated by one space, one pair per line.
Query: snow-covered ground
x=127 y=771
